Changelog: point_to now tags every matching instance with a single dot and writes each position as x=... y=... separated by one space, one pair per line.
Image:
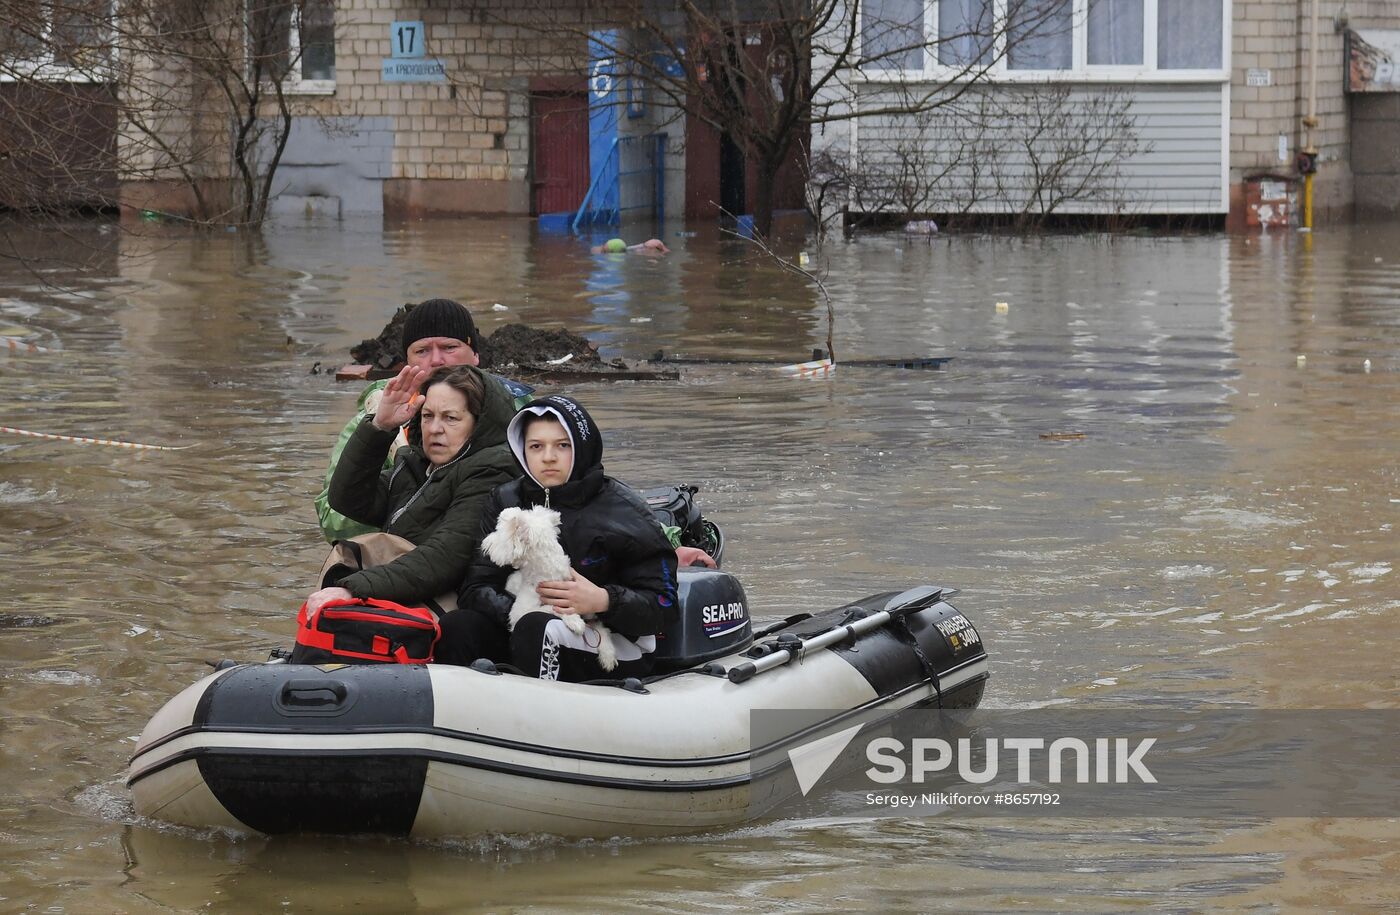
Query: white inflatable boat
x=452 y=751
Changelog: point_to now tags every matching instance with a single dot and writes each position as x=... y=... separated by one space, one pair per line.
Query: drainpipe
x=1308 y=160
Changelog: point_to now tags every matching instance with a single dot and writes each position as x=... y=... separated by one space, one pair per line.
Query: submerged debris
x=25 y=621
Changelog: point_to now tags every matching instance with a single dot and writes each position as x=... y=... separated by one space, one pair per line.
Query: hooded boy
x=624 y=568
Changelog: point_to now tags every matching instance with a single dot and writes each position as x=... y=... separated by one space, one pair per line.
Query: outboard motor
x=714 y=620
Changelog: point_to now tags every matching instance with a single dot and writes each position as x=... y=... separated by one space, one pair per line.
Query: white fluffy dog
x=528 y=541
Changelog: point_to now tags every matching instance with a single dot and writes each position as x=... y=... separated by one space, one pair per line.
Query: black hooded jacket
x=609 y=534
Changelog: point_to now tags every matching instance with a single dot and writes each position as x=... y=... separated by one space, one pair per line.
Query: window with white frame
x=1189 y=34
x=1040 y=34
x=294 y=41
x=892 y=34
x=1114 y=32
x=1127 y=39
x=63 y=39
x=965 y=32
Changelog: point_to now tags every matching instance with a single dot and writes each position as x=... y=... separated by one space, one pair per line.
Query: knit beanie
x=439 y=318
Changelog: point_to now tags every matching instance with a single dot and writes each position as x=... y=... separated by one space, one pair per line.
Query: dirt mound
x=386 y=350
x=512 y=345
x=521 y=344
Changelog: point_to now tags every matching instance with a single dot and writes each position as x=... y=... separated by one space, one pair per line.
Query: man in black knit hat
x=437 y=332
x=440 y=332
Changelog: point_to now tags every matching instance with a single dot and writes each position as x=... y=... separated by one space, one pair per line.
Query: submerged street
x=1164 y=477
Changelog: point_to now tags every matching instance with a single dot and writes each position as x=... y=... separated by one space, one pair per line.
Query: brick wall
x=1276 y=35
x=1265 y=37
x=463 y=145
x=457 y=147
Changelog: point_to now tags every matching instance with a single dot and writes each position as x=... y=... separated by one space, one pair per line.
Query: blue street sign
x=422 y=70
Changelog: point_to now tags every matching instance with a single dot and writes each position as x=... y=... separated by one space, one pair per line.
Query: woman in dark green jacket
x=434 y=493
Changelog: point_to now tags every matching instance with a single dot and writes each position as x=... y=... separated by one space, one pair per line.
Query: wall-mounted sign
x=413 y=70
x=406 y=39
x=1258 y=77
x=1373 y=60
x=407 y=42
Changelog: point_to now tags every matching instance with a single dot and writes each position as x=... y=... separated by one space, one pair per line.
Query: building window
x=1189 y=34
x=293 y=41
x=1040 y=35
x=315 y=34
x=965 y=32
x=892 y=34
x=1031 y=39
x=1115 y=33
x=70 y=39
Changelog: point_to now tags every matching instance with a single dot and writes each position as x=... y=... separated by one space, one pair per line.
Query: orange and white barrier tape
x=92 y=441
x=19 y=346
x=818 y=368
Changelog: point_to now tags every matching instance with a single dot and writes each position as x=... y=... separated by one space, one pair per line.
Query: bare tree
x=765 y=74
x=1073 y=146
x=909 y=175
x=184 y=95
x=55 y=135
x=1024 y=152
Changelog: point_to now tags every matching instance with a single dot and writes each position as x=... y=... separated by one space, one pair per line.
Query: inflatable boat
x=454 y=751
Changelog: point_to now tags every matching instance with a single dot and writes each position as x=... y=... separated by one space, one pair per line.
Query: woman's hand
x=319 y=599
x=577 y=595
x=401 y=399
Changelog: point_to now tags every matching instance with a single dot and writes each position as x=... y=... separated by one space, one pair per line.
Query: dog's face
x=520 y=533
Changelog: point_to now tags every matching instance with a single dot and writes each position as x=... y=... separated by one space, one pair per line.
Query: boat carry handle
x=303 y=694
x=789 y=647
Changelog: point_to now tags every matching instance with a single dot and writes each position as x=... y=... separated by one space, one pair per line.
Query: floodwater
x=1163 y=477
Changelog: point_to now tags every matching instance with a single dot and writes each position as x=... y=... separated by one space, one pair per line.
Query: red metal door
x=560 y=146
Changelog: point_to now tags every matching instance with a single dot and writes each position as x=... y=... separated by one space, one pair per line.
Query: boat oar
x=791 y=647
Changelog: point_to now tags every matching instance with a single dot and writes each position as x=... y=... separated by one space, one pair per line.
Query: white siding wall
x=987 y=150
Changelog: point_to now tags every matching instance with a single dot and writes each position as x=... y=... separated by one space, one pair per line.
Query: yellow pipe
x=1310 y=119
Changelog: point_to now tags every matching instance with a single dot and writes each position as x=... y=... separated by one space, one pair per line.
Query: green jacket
x=436 y=509
x=334 y=525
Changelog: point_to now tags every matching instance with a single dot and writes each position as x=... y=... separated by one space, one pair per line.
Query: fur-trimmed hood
x=584 y=435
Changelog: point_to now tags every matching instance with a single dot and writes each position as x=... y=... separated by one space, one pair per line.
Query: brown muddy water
x=1221 y=534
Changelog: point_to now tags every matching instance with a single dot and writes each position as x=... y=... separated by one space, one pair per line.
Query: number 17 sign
x=408 y=65
x=406 y=39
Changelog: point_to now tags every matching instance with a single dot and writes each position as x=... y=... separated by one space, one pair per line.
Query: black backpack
x=674 y=506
